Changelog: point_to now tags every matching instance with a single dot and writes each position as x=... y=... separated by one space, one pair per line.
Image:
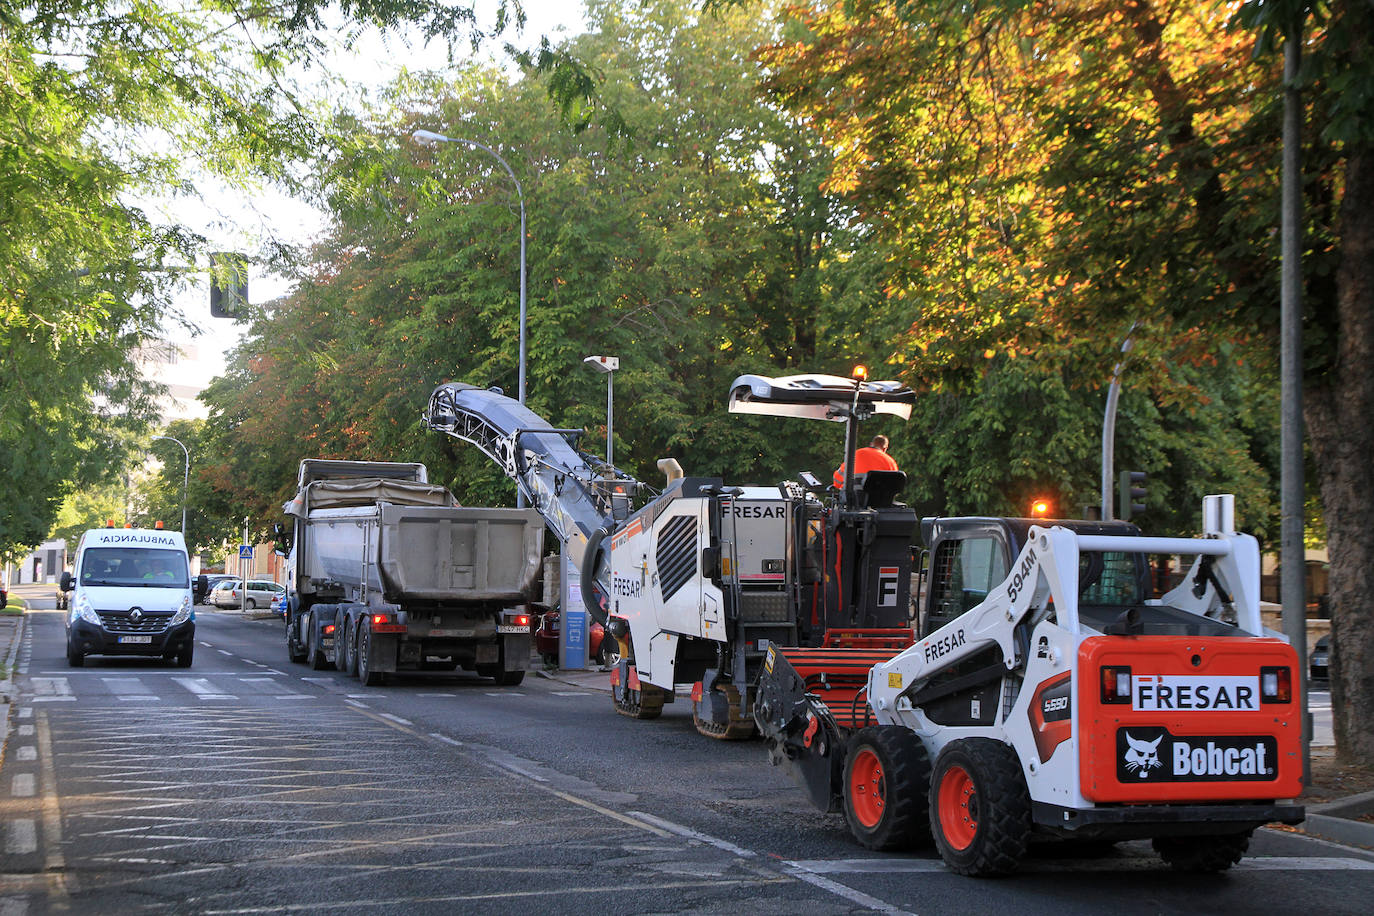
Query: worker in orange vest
x=873 y=457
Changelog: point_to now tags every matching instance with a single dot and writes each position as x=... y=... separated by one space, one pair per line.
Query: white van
x=130 y=595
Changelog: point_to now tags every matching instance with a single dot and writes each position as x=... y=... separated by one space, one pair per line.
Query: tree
x=102 y=105
x=702 y=250
x=1079 y=167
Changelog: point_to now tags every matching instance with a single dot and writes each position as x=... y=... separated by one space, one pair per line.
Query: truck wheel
x=340 y=643
x=366 y=675
x=351 y=637
x=187 y=652
x=1202 y=853
x=318 y=660
x=886 y=779
x=294 y=651
x=980 y=807
x=75 y=658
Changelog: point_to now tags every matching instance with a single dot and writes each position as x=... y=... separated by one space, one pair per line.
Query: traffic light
x=228 y=284
x=1040 y=508
x=1130 y=494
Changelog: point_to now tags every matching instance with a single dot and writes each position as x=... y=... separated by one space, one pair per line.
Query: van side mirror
x=65 y=583
x=202 y=585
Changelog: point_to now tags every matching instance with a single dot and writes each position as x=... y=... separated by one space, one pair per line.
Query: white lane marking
x=397 y=719
x=22 y=786
x=504 y=693
x=848 y=893
x=436 y=694
x=51 y=687
x=360 y=696
x=570 y=693
x=22 y=837
x=125 y=686
x=257 y=680
x=28 y=752
x=52 y=699
x=25 y=731
x=1127 y=863
x=446 y=739
x=267 y=670
x=356 y=703
x=224 y=652
x=318 y=680
x=694 y=835
x=26 y=712
x=522 y=772
x=140 y=698
x=295 y=696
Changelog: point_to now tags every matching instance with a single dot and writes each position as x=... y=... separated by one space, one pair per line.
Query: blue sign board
x=574 y=613
x=245 y=551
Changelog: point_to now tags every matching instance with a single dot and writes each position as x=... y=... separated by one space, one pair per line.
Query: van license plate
x=141 y=640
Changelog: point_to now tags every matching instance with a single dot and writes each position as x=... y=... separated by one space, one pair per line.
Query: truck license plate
x=511 y=628
x=141 y=640
x=437 y=633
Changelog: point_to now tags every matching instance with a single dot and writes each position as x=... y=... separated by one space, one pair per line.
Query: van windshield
x=137 y=566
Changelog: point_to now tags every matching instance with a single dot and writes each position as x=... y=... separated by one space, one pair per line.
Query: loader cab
x=969 y=557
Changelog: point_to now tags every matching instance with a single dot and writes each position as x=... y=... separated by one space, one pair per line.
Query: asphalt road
x=248 y=784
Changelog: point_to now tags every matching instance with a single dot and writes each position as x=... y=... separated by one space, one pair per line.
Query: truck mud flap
x=807 y=703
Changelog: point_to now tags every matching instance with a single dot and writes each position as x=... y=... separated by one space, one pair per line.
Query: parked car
x=211 y=580
x=1318 y=665
x=260 y=593
x=600 y=649
x=278 y=605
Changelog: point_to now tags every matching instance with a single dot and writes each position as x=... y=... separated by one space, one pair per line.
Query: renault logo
x=136 y=614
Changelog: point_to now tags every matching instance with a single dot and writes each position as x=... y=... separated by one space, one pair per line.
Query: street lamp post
x=429 y=138
x=608 y=365
x=185 y=478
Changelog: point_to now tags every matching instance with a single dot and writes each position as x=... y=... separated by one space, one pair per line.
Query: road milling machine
x=1048 y=694
x=697 y=580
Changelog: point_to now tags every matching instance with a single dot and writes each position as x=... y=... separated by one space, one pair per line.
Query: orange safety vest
x=867 y=459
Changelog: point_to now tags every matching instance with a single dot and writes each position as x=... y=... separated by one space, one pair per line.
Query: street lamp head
x=428 y=137
x=603 y=363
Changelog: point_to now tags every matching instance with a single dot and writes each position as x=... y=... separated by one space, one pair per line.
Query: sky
x=230 y=218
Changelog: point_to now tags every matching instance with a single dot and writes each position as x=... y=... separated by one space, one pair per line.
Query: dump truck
x=1048 y=692
x=388 y=573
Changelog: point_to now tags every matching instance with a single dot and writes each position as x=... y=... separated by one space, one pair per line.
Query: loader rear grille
x=676 y=554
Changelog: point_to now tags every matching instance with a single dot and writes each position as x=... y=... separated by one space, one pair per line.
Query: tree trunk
x=1339 y=409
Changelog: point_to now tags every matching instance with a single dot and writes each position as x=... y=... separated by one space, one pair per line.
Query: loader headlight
x=1116 y=684
x=1276 y=685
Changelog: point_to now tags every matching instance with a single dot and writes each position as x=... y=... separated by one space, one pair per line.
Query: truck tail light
x=1116 y=684
x=521 y=620
x=328 y=629
x=1276 y=684
x=382 y=623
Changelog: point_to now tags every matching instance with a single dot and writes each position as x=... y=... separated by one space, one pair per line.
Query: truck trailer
x=388 y=573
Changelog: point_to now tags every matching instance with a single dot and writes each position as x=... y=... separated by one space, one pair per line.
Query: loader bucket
x=808 y=701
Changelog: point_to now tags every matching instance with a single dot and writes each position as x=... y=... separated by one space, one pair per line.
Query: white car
x=230 y=594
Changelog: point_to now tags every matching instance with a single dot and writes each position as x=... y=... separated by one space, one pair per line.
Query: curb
x=557 y=676
x=1338 y=822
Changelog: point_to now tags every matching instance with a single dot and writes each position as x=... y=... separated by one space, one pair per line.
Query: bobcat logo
x=1143 y=756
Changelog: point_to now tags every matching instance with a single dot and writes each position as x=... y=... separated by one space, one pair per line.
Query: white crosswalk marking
x=125 y=686
x=51 y=687
x=202 y=688
x=22 y=836
x=22 y=786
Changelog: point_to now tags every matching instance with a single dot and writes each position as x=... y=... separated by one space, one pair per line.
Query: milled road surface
x=248 y=784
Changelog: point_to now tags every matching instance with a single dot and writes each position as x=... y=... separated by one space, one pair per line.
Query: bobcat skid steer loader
x=1047 y=694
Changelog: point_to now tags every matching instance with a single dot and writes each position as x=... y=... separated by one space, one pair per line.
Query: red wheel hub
x=866 y=790
x=958 y=801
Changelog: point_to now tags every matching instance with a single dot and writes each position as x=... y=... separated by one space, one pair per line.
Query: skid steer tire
x=980 y=808
x=886 y=778
x=1202 y=854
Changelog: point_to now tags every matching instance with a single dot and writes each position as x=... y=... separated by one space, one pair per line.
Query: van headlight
x=185 y=612
x=82 y=610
